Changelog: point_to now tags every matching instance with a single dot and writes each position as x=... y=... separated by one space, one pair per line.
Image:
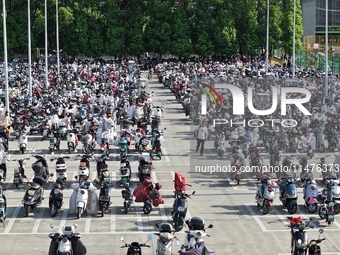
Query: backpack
x=196 y=131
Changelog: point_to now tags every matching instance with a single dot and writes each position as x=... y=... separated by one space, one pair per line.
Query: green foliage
x=287 y=23
x=131 y=27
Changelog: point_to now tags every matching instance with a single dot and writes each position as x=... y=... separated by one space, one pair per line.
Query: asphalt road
x=239 y=226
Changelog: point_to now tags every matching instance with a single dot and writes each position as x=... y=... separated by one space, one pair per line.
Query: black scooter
x=299 y=236
x=313 y=246
x=180 y=208
x=102 y=169
x=19 y=173
x=33 y=197
x=134 y=248
x=128 y=197
x=104 y=197
x=56 y=198
x=144 y=170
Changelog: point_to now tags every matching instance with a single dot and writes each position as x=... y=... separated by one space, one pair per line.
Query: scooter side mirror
x=75 y=225
x=122 y=238
x=321 y=230
x=193 y=193
x=149 y=237
x=51 y=225
x=157 y=225
x=76 y=177
x=211 y=226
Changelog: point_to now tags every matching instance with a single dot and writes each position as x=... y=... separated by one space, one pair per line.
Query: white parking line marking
x=113 y=219
x=87 y=224
x=11 y=222
x=113 y=180
x=165 y=154
x=258 y=221
x=10 y=183
x=63 y=220
x=37 y=222
x=139 y=220
x=283 y=219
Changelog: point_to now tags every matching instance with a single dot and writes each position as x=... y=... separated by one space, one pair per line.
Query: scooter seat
x=33 y=185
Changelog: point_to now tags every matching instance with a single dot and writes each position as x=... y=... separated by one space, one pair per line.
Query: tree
x=114 y=30
x=180 y=34
x=201 y=27
x=288 y=23
x=224 y=33
x=134 y=20
x=246 y=25
x=157 y=33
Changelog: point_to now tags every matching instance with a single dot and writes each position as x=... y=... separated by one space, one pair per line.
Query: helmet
x=269 y=182
x=322 y=160
x=313 y=182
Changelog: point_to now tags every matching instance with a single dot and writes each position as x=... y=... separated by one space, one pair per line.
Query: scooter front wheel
x=22 y=149
x=79 y=211
x=54 y=210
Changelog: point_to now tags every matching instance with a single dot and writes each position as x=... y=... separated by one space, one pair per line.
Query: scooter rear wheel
x=265 y=209
x=292 y=208
x=147 y=208
x=312 y=208
x=102 y=211
x=321 y=148
x=25 y=211
x=321 y=215
x=126 y=208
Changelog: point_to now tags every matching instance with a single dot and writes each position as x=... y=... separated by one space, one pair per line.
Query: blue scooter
x=288 y=194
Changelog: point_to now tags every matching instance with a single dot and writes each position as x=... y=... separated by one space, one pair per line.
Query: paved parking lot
x=239 y=225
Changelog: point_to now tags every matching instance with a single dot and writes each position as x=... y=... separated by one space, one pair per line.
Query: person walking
x=201 y=135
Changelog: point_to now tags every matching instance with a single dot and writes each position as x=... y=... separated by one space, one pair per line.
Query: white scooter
x=23 y=140
x=71 y=142
x=195 y=233
x=165 y=241
x=64 y=240
x=82 y=198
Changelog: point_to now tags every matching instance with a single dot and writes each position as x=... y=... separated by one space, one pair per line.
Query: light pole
x=294 y=21
x=4 y=14
x=29 y=51
x=57 y=26
x=46 y=51
x=267 y=40
x=326 y=54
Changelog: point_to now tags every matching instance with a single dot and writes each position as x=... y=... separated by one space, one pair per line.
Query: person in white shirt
x=201 y=135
